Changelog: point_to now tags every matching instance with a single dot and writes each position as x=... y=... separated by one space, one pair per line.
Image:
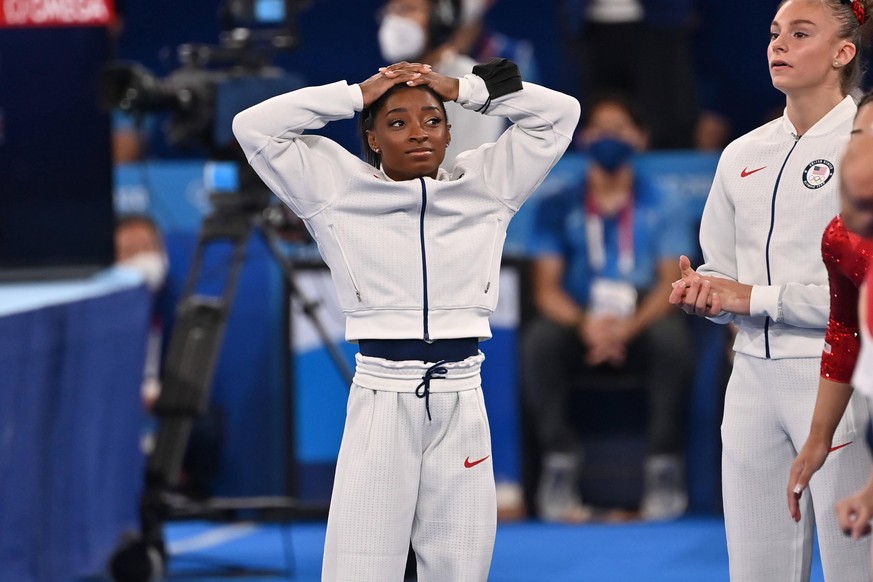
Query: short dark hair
x=367 y=118
x=622 y=100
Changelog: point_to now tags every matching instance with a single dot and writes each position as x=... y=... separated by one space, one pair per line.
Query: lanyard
x=596 y=236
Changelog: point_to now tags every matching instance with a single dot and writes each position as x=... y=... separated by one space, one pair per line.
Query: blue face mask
x=610 y=153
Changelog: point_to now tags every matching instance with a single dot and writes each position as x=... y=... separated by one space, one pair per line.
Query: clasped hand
x=606 y=338
x=708 y=296
x=411 y=74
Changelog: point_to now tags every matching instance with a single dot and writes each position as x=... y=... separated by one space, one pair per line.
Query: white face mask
x=152 y=266
x=400 y=38
x=472 y=10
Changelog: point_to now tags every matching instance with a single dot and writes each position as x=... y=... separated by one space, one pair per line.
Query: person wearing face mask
x=604 y=253
x=139 y=246
x=432 y=32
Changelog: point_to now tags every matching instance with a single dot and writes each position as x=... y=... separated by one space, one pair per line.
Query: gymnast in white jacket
x=775 y=191
x=414 y=251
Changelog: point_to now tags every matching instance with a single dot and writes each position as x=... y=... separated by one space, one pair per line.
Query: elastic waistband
x=405 y=376
x=444 y=350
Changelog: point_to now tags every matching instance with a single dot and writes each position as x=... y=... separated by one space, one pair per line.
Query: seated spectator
x=641 y=48
x=605 y=252
x=483 y=43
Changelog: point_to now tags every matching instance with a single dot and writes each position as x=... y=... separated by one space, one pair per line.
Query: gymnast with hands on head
x=773 y=195
x=414 y=251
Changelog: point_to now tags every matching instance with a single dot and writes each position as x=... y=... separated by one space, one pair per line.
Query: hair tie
x=857 y=9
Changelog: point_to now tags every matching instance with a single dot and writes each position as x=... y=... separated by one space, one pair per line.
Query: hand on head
x=412 y=74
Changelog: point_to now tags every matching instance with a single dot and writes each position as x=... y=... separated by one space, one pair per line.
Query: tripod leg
x=307 y=305
x=186 y=382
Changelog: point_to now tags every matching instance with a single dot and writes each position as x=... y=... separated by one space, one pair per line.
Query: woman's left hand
x=446 y=87
x=855 y=512
x=708 y=296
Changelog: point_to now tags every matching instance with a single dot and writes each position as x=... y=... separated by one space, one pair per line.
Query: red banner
x=29 y=13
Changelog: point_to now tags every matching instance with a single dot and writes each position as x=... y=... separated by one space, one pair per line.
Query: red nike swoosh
x=748 y=172
x=838 y=447
x=468 y=463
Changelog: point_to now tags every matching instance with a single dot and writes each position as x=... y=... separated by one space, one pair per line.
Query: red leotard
x=845 y=255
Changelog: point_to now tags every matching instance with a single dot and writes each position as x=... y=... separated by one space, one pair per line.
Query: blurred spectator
x=605 y=252
x=425 y=31
x=481 y=42
x=128 y=132
x=735 y=90
x=640 y=48
x=139 y=245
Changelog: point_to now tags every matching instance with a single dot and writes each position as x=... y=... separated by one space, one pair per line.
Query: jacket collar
x=442 y=175
x=844 y=110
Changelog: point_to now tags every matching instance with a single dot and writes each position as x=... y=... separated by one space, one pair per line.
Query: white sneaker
x=558 y=493
x=665 y=494
x=510 y=501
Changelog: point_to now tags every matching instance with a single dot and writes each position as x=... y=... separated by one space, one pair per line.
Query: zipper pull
x=487 y=286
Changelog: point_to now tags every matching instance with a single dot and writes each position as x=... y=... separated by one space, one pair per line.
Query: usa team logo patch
x=817 y=174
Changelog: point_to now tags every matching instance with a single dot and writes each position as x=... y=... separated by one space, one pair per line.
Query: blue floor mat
x=691 y=549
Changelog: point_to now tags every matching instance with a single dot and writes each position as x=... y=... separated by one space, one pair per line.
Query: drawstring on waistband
x=423 y=389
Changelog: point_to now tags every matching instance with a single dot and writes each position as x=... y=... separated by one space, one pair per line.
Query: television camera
x=202 y=97
x=214 y=81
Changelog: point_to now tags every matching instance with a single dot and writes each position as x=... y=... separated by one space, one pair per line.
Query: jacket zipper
x=424 y=303
x=345 y=261
x=770 y=238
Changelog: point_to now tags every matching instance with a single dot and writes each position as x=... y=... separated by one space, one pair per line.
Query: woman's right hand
x=809 y=460
x=708 y=296
x=387 y=77
x=693 y=293
x=412 y=74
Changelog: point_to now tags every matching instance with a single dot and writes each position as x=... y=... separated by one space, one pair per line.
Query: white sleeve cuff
x=766 y=300
x=465 y=90
x=357 y=96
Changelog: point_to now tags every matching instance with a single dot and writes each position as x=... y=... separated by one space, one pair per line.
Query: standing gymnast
x=846 y=255
x=773 y=195
x=414 y=251
x=856 y=511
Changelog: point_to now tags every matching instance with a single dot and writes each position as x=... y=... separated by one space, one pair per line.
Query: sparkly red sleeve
x=845 y=256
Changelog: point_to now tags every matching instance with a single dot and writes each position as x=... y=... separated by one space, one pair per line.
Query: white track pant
x=768 y=408
x=400 y=476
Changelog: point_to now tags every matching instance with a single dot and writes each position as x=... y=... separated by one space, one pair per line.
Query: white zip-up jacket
x=772 y=197
x=414 y=259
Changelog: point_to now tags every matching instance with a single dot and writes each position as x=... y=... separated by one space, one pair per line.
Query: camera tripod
x=186 y=378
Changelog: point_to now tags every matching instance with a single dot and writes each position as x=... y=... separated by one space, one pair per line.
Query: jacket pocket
x=496 y=251
x=339 y=245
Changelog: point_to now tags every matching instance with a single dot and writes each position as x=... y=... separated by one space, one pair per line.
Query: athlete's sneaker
x=665 y=495
x=510 y=501
x=558 y=497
